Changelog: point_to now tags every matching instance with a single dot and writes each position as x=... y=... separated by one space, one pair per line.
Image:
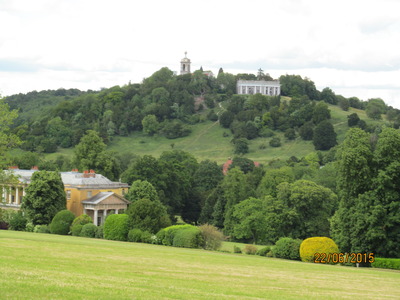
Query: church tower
x=185 y=65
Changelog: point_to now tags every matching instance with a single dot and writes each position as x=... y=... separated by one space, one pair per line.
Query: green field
x=42 y=266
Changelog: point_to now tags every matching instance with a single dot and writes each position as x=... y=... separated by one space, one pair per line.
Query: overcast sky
x=350 y=46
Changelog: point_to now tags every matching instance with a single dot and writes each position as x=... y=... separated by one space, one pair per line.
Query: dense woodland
x=349 y=192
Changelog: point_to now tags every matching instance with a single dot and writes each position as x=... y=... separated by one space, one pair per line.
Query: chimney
x=13 y=168
x=35 y=168
x=92 y=174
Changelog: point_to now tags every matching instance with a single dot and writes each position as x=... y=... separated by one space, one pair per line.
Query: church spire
x=185 y=65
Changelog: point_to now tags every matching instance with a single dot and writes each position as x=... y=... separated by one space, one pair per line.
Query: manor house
x=86 y=193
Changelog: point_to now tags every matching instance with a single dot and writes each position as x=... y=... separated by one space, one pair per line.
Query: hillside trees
x=8 y=140
x=88 y=150
x=324 y=136
x=368 y=216
x=45 y=196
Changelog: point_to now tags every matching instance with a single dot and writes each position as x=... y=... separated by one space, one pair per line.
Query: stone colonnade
x=99 y=213
x=12 y=195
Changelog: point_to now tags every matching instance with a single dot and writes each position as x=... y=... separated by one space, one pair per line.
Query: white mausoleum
x=250 y=87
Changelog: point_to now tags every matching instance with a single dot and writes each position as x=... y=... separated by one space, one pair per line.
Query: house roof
x=85 y=180
x=96 y=199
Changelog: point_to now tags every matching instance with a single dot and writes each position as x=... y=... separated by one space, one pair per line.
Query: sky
x=351 y=46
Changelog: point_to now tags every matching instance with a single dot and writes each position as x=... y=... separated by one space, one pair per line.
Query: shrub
x=17 y=221
x=313 y=245
x=188 y=238
x=88 y=230
x=82 y=220
x=135 y=235
x=99 y=232
x=116 y=227
x=386 y=263
x=212 y=237
x=275 y=142
x=287 y=248
x=250 y=249
x=166 y=235
x=29 y=227
x=41 y=229
x=61 y=222
x=147 y=237
x=76 y=229
x=263 y=251
x=237 y=249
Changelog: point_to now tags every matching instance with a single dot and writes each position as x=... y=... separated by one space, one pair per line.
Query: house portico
x=100 y=205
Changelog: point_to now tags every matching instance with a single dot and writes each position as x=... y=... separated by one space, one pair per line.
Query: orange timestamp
x=354 y=258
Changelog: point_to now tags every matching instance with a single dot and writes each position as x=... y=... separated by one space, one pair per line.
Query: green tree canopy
x=324 y=136
x=141 y=189
x=45 y=196
x=249 y=220
x=88 y=150
x=148 y=215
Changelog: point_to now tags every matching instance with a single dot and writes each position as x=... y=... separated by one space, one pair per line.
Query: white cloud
x=348 y=45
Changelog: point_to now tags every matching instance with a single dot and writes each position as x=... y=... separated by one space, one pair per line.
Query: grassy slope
x=207 y=142
x=40 y=266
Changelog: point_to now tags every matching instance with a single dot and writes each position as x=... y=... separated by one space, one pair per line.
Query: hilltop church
x=243 y=87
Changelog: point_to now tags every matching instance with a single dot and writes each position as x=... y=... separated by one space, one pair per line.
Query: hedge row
x=386 y=263
x=187 y=236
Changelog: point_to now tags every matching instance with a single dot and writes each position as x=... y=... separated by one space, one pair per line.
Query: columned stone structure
x=86 y=192
x=100 y=205
x=250 y=87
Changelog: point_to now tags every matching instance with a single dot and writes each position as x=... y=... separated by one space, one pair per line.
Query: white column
x=3 y=194
x=16 y=196
x=9 y=195
x=116 y=211
x=95 y=218
x=84 y=211
x=104 y=215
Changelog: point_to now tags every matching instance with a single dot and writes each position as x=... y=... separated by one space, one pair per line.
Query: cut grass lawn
x=42 y=266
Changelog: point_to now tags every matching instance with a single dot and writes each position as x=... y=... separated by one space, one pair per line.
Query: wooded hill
x=194 y=113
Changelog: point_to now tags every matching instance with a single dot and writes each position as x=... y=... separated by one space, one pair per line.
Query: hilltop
x=184 y=112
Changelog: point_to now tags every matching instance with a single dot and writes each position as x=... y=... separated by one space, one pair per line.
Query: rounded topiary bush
x=188 y=238
x=263 y=251
x=88 y=230
x=82 y=220
x=135 y=235
x=76 y=230
x=99 y=232
x=61 y=222
x=116 y=227
x=287 y=248
x=313 y=245
x=41 y=229
x=166 y=235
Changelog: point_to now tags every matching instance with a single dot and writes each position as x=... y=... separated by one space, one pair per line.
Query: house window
x=68 y=194
x=89 y=194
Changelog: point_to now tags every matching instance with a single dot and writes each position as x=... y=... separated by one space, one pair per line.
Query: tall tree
x=249 y=220
x=88 y=150
x=45 y=196
x=142 y=189
x=324 y=136
x=8 y=140
x=235 y=190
